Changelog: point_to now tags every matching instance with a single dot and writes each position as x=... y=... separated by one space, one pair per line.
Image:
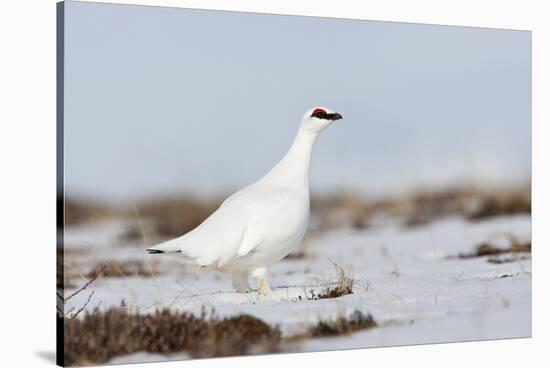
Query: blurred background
x=163 y=101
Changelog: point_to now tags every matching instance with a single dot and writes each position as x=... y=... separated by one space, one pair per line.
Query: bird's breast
x=284 y=232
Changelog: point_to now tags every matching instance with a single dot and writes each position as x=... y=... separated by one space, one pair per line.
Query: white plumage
x=263 y=222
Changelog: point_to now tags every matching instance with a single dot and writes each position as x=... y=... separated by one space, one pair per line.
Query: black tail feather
x=157 y=251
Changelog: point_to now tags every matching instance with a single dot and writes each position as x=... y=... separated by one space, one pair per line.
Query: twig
x=85 y=285
x=84 y=306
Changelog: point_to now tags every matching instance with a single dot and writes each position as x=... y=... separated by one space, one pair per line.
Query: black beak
x=334 y=116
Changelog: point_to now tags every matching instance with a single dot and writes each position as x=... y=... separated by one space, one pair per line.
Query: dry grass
x=343 y=286
x=420 y=207
x=100 y=336
x=123 y=269
x=169 y=217
x=172 y=217
x=342 y=326
x=471 y=203
x=79 y=211
x=65 y=276
x=501 y=260
x=503 y=203
x=296 y=255
x=489 y=249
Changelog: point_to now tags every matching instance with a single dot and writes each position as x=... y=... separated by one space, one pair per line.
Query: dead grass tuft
x=343 y=326
x=501 y=204
x=342 y=286
x=123 y=269
x=100 y=336
x=501 y=260
x=488 y=249
x=296 y=256
x=506 y=275
x=338 y=326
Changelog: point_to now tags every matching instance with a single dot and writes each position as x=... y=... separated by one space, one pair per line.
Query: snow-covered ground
x=406 y=278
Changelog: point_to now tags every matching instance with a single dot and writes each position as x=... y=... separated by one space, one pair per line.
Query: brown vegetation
x=342 y=286
x=421 y=207
x=488 y=249
x=92 y=337
x=296 y=255
x=172 y=217
x=502 y=204
x=343 y=326
x=501 y=260
x=64 y=277
x=123 y=269
x=467 y=202
x=78 y=211
x=99 y=336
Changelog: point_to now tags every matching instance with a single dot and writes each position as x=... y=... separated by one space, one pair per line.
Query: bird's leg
x=240 y=282
x=261 y=280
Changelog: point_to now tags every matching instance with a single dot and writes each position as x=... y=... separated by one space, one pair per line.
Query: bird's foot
x=243 y=290
x=259 y=274
x=264 y=289
x=240 y=283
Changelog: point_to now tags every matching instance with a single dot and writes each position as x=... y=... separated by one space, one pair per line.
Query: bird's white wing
x=214 y=241
x=267 y=213
x=217 y=239
x=251 y=240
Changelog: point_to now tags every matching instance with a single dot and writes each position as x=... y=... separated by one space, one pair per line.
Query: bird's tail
x=167 y=247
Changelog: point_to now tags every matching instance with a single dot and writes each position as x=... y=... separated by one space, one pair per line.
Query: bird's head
x=319 y=118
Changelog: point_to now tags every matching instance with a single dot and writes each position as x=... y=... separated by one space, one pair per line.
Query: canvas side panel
x=60 y=209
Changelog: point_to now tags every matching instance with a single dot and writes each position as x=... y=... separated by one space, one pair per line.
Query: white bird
x=262 y=223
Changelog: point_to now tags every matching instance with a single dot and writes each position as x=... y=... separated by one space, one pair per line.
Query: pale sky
x=161 y=100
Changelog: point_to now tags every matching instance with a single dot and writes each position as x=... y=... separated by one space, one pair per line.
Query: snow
x=406 y=278
x=144 y=357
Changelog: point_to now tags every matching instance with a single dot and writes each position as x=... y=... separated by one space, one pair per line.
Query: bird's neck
x=293 y=169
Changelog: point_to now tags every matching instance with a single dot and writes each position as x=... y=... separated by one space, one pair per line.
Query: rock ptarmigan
x=262 y=223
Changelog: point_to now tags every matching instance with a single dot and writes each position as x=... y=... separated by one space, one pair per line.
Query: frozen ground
x=406 y=278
